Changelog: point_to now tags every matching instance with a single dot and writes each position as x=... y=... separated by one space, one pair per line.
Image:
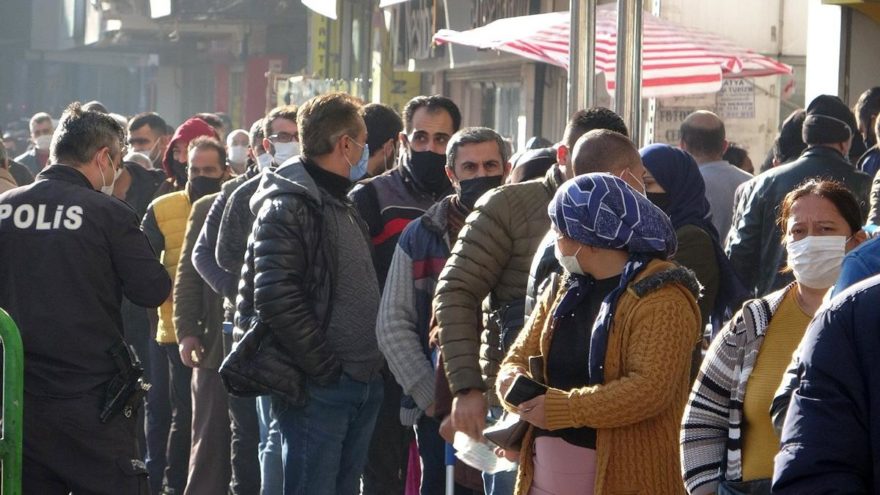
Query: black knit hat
x=828 y=121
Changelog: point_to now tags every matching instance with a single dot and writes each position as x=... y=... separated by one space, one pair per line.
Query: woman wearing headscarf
x=727 y=436
x=615 y=335
x=673 y=182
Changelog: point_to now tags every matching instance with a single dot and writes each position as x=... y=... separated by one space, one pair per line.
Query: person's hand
x=510 y=455
x=533 y=412
x=447 y=432
x=469 y=413
x=506 y=377
x=188 y=346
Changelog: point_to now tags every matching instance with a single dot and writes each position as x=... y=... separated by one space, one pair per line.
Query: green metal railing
x=13 y=388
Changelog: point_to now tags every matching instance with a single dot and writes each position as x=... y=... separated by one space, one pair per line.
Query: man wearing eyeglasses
x=387 y=203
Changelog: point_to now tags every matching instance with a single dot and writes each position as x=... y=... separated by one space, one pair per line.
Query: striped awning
x=676 y=60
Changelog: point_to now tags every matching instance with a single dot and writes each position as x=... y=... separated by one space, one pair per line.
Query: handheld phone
x=523 y=389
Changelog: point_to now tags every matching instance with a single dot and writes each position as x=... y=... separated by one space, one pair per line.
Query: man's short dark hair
x=287 y=112
x=326 y=118
x=257 y=135
x=432 y=104
x=208 y=143
x=95 y=106
x=383 y=123
x=584 y=121
x=151 y=119
x=475 y=135
x=169 y=130
x=703 y=141
x=81 y=133
x=603 y=150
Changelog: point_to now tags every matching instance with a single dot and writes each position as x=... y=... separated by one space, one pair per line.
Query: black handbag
x=238 y=371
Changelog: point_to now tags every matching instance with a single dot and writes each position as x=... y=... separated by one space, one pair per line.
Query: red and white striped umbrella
x=676 y=60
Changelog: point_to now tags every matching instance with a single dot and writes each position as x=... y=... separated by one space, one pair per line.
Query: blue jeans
x=504 y=482
x=325 y=442
x=270 y=449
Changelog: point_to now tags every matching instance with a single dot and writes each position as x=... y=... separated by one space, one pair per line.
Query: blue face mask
x=359 y=170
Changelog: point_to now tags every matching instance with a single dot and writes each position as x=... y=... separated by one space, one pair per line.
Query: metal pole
x=582 y=55
x=628 y=70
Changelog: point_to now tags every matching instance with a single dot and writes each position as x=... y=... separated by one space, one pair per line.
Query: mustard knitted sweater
x=637 y=411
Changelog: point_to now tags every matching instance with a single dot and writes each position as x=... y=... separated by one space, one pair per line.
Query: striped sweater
x=711 y=445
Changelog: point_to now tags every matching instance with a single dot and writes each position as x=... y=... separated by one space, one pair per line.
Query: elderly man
x=41 y=128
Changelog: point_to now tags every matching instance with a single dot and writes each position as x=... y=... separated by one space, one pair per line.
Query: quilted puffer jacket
x=285 y=323
x=492 y=258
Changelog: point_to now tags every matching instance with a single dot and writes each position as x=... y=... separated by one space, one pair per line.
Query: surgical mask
x=429 y=171
x=569 y=263
x=42 y=142
x=358 y=170
x=816 y=260
x=472 y=189
x=285 y=151
x=201 y=186
x=238 y=158
x=641 y=188
x=108 y=188
x=264 y=161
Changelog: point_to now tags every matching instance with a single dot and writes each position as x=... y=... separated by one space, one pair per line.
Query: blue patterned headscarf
x=601 y=210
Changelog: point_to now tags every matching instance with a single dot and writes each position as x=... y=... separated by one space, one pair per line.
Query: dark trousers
x=177 y=453
x=325 y=443
x=68 y=450
x=245 y=442
x=385 y=472
x=157 y=411
x=209 y=468
x=432 y=453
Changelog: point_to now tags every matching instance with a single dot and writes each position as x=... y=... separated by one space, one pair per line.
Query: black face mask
x=660 y=200
x=200 y=187
x=429 y=171
x=178 y=170
x=472 y=189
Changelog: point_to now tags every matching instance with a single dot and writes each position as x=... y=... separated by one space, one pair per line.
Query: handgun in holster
x=126 y=390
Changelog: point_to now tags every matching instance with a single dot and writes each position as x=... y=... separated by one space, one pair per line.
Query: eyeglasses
x=282 y=137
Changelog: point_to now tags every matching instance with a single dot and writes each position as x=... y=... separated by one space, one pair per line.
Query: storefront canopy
x=676 y=60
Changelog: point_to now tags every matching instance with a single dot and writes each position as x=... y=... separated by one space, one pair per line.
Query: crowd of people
x=327 y=301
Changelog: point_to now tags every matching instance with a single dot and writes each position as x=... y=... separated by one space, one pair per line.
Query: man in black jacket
x=754 y=244
x=70 y=253
x=309 y=294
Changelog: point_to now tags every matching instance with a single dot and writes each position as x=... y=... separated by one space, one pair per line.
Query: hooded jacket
x=193 y=127
x=288 y=319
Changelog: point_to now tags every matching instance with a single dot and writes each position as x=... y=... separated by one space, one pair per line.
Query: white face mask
x=264 y=161
x=108 y=188
x=237 y=158
x=816 y=260
x=42 y=142
x=285 y=151
x=569 y=263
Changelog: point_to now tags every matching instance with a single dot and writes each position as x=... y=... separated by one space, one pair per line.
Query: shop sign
x=414 y=25
x=486 y=11
x=736 y=100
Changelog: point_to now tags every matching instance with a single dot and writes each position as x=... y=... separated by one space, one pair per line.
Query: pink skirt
x=562 y=468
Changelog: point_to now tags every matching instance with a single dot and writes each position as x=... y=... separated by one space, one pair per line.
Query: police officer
x=69 y=253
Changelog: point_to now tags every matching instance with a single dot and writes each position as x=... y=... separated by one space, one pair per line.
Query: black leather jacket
x=287 y=285
x=755 y=242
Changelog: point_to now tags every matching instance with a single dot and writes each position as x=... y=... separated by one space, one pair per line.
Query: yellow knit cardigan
x=637 y=411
